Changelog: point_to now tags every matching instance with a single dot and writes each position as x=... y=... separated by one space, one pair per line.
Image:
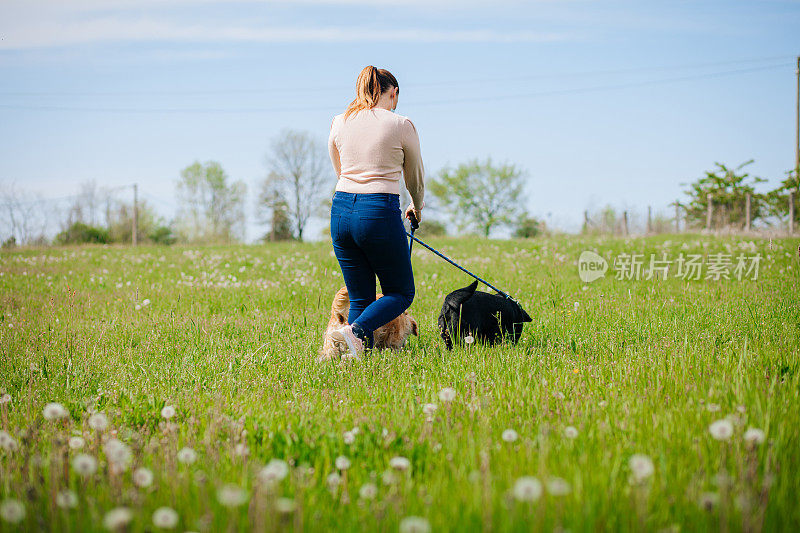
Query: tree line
x=476 y=196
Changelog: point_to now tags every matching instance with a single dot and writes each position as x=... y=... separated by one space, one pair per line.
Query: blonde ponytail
x=371 y=83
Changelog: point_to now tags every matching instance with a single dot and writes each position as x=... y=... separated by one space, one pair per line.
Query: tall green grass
x=229 y=339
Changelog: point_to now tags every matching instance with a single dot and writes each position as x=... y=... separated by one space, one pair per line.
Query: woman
x=371 y=148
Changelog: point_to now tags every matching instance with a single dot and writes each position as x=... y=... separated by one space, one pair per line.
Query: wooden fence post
x=709 y=211
x=747 y=212
x=677 y=217
x=625 y=222
x=649 y=219
x=791 y=212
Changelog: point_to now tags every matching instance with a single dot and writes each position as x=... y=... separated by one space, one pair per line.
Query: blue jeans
x=369 y=240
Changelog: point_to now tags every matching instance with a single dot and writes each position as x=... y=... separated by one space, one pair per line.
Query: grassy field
x=198 y=364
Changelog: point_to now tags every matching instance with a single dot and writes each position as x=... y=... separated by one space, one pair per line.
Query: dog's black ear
x=525 y=316
x=458 y=297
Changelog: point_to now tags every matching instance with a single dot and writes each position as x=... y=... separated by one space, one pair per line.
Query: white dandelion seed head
x=333 y=480
x=168 y=411
x=274 y=471
x=571 y=432
x=641 y=466
x=5 y=398
x=447 y=394
x=67 y=499
x=187 y=456
x=85 y=465
x=414 y=524
x=76 y=443
x=145 y=302
x=12 y=511
x=165 y=518
x=117 y=453
x=708 y=501
x=342 y=463
x=285 y=505
x=575 y=306
x=754 y=436
x=356 y=430
x=116 y=519
x=469 y=339
x=429 y=409
x=602 y=404
x=510 y=435
x=231 y=495
x=142 y=477
x=721 y=429
x=558 y=395
x=389 y=477
x=7 y=442
x=558 y=486
x=54 y=411
x=349 y=437
x=399 y=463
x=98 y=422
x=712 y=407
x=527 y=489
x=368 y=491
x=241 y=450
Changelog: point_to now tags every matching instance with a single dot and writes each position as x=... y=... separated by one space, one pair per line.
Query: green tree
x=728 y=188
x=211 y=207
x=778 y=200
x=274 y=211
x=479 y=195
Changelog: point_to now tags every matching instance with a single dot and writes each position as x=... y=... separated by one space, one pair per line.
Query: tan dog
x=391 y=336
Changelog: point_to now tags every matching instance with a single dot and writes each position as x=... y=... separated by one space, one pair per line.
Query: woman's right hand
x=416 y=213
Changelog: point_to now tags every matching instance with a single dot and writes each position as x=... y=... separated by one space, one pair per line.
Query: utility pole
x=796 y=148
x=135 y=229
x=747 y=200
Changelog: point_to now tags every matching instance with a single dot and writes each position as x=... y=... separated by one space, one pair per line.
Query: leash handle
x=414 y=223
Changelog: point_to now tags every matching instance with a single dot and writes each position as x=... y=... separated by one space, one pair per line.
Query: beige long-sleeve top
x=373 y=149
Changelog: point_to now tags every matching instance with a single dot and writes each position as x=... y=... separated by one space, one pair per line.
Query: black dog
x=479 y=316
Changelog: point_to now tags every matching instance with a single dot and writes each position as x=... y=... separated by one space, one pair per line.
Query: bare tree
x=23 y=215
x=87 y=205
x=298 y=169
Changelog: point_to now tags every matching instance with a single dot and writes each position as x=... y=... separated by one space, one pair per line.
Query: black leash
x=415 y=224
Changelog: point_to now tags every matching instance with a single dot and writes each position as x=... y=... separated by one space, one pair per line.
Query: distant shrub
x=9 y=243
x=529 y=227
x=80 y=233
x=162 y=235
x=431 y=228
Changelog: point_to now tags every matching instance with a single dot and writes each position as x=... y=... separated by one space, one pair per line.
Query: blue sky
x=600 y=102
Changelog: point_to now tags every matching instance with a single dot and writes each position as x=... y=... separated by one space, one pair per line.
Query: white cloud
x=40 y=34
x=108 y=5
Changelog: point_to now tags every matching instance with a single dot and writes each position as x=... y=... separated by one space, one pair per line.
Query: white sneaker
x=345 y=334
